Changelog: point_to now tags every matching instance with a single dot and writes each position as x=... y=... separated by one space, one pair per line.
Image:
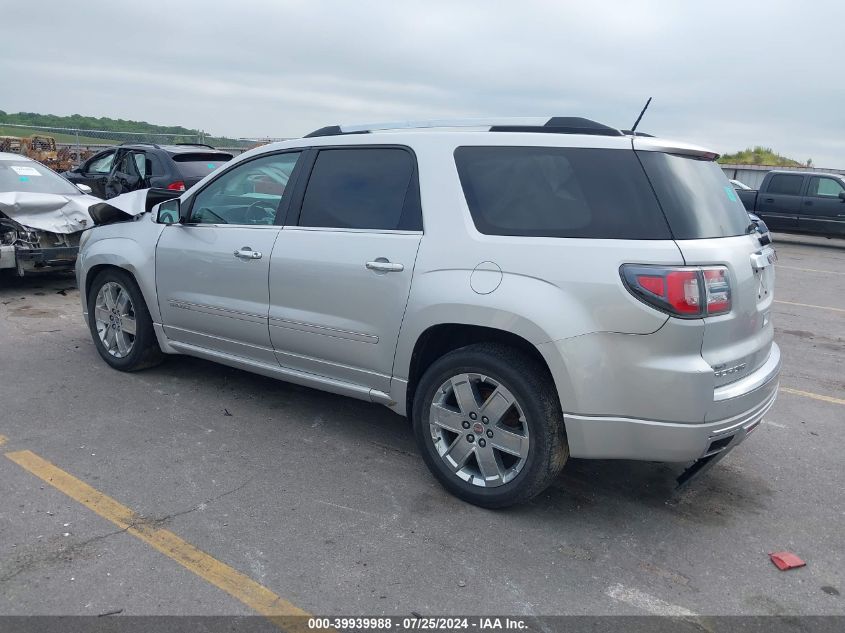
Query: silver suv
x=525 y=290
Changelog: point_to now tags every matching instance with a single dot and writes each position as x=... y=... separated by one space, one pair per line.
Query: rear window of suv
x=199 y=165
x=559 y=192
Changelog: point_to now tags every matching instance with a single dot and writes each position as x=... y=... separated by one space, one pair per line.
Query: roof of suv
x=179 y=148
x=555 y=131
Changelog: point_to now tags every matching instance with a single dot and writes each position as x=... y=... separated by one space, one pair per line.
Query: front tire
x=120 y=323
x=489 y=425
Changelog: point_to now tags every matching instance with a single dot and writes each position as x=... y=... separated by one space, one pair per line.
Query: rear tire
x=120 y=322
x=489 y=425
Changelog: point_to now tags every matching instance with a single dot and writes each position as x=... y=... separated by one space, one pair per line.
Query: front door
x=822 y=210
x=95 y=172
x=212 y=271
x=340 y=277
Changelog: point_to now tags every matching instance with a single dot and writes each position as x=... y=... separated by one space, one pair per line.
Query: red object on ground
x=786 y=560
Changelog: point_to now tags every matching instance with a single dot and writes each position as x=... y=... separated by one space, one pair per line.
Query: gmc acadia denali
x=524 y=289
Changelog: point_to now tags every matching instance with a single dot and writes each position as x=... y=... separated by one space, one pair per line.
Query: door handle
x=769 y=200
x=383 y=265
x=808 y=203
x=247 y=253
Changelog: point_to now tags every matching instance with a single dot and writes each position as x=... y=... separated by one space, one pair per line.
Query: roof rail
x=195 y=145
x=554 y=125
x=156 y=145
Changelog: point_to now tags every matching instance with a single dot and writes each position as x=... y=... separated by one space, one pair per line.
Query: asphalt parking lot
x=323 y=501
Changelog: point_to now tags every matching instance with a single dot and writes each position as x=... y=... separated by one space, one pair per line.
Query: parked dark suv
x=140 y=165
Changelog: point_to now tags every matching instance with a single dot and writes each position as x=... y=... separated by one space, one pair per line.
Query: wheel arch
x=441 y=338
x=125 y=255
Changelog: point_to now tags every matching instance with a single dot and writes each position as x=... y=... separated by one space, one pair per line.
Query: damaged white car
x=41 y=216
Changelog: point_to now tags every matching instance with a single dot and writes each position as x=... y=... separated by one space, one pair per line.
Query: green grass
x=760 y=156
x=60 y=138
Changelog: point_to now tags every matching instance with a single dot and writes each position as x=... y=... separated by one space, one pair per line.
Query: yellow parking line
x=208 y=568
x=810 y=305
x=814 y=396
x=3 y=440
x=811 y=270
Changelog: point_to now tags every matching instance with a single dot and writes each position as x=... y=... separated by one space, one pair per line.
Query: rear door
x=822 y=210
x=212 y=272
x=341 y=270
x=711 y=228
x=780 y=203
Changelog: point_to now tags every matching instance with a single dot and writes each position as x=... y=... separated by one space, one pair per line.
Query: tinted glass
x=786 y=185
x=248 y=194
x=33 y=177
x=825 y=188
x=365 y=188
x=695 y=196
x=559 y=192
x=199 y=165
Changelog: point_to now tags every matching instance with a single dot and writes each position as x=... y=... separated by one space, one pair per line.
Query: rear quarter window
x=559 y=192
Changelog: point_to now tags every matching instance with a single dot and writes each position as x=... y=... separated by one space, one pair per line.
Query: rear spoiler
x=652 y=144
x=128 y=206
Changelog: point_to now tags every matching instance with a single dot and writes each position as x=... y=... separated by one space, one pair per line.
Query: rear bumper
x=605 y=437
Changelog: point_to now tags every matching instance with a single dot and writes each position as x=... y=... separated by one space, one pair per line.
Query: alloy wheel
x=479 y=430
x=114 y=315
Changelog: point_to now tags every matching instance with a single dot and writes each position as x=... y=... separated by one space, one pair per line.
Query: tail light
x=690 y=292
x=178 y=185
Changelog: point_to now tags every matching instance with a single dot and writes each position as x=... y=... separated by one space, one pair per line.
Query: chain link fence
x=64 y=148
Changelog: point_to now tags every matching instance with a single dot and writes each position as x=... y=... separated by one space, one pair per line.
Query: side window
x=143 y=164
x=248 y=194
x=786 y=185
x=128 y=164
x=582 y=192
x=363 y=188
x=101 y=165
x=825 y=188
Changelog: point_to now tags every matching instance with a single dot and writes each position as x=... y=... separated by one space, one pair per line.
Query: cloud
x=723 y=74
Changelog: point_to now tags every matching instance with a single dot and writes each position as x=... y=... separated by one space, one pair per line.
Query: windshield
x=32 y=177
x=695 y=195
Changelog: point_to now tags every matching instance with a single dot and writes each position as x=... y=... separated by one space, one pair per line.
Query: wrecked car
x=41 y=216
x=136 y=166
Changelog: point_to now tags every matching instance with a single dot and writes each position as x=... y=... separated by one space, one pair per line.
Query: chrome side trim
x=328 y=229
x=760 y=377
x=287 y=374
x=311 y=328
x=257 y=227
x=215 y=311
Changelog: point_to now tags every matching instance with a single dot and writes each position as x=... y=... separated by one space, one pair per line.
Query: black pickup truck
x=799 y=202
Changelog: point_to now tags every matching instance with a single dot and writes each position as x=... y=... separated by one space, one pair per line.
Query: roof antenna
x=637 y=122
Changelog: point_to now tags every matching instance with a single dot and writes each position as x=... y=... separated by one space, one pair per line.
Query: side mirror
x=168 y=212
x=842 y=196
x=84 y=188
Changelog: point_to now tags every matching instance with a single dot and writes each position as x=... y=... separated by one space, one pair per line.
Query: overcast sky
x=724 y=74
